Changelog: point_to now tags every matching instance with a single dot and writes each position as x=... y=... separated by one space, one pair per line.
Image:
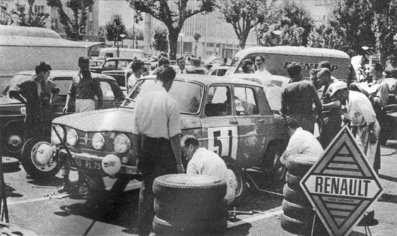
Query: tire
x=271 y=165
x=13 y=139
x=10 y=164
x=189 y=211
x=241 y=181
x=298 y=212
x=299 y=164
x=188 y=187
x=294 y=226
x=292 y=180
x=205 y=227
x=296 y=196
x=35 y=169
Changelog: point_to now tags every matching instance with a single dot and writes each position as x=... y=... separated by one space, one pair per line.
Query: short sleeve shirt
x=359 y=109
x=156 y=114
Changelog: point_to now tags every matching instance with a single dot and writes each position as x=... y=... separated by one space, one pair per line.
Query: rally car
x=229 y=116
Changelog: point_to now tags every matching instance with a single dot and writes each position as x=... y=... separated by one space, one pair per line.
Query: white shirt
x=359 y=109
x=131 y=81
x=156 y=114
x=303 y=142
x=263 y=72
x=205 y=162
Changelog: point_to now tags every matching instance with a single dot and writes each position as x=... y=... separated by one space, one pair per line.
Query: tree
x=160 y=41
x=23 y=18
x=292 y=27
x=244 y=15
x=196 y=37
x=114 y=29
x=173 y=14
x=74 y=27
x=325 y=36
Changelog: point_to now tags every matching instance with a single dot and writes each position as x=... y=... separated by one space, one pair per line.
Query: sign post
x=341 y=185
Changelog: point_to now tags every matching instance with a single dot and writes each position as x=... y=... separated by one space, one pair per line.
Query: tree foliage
x=244 y=15
x=160 y=39
x=292 y=26
x=325 y=36
x=172 y=13
x=24 y=17
x=114 y=29
x=74 y=26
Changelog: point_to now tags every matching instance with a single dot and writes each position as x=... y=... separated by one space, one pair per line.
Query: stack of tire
x=189 y=205
x=298 y=212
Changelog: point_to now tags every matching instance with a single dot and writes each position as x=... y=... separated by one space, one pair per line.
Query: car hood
x=9 y=101
x=116 y=119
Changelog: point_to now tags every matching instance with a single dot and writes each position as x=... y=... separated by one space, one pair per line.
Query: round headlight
x=98 y=141
x=54 y=136
x=121 y=143
x=72 y=137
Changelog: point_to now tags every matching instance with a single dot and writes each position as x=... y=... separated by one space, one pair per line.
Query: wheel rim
x=13 y=143
x=44 y=167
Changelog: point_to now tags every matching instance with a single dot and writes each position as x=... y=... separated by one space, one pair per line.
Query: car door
x=109 y=97
x=252 y=123
x=218 y=123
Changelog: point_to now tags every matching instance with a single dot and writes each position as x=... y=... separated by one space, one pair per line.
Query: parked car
x=12 y=111
x=243 y=130
x=113 y=66
x=218 y=70
x=211 y=61
x=195 y=67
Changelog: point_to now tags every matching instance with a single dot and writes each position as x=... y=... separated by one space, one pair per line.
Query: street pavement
x=38 y=207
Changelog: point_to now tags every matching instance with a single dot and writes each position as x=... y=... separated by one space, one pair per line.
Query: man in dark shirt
x=298 y=98
x=84 y=88
x=37 y=95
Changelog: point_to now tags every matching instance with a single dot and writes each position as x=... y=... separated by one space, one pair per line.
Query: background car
x=211 y=61
x=229 y=116
x=12 y=111
x=113 y=66
x=218 y=70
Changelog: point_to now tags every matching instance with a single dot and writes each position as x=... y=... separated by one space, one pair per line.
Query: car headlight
x=98 y=141
x=54 y=137
x=23 y=110
x=121 y=143
x=72 y=137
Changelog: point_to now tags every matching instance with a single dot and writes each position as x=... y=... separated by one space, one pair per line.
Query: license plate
x=90 y=165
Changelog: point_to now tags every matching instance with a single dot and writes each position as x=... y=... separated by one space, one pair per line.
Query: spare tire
x=180 y=188
x=295 y=196
x=292 y=180
x=294 y=226
x=296 y=211
x=204 y=227
x=10 y=164
x=299 y=164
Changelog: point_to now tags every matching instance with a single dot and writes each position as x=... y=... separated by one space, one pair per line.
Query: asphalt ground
x=38 y=207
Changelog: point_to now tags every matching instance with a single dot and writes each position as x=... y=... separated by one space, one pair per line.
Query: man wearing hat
x=358 y=110
x=298 y=98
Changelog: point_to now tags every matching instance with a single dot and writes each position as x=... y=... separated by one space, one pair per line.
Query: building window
x=38 y=9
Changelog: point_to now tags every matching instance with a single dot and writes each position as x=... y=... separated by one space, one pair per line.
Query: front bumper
x=95 y=163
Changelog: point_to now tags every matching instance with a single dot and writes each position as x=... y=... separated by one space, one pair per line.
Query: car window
x=214 y=72
x=63 y=83
x=222 y=72
x=244 y=101
x=10 y=84
x=187 y=94
x=106 y=91
x=109 y=65
x=122 y=64
x=218 y=101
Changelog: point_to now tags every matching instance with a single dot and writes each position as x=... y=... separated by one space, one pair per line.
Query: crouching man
x=205 y=162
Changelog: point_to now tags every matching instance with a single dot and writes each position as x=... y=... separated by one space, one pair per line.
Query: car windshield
x=187 y=94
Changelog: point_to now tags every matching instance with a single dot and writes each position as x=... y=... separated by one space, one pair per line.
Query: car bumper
x=93 y=163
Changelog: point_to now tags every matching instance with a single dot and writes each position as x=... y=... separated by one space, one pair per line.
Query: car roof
x=293 y=50
x=67 y=73
x=119 y=59
x=209 y=79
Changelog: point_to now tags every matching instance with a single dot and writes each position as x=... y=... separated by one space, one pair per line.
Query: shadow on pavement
x=10 y=192
x=388 y=198
x=51 y=183
x=121 y=211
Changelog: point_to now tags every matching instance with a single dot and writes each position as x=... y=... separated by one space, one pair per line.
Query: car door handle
x=261 y=121
x=233 y=122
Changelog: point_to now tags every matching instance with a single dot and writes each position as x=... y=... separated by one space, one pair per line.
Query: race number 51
x=223 y=141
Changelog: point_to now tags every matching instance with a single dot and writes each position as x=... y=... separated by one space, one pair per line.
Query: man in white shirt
x=301 y=142
x=260 y=66
x=205 y=162
x=181 y=65
x=156 y=141
x=137 y=71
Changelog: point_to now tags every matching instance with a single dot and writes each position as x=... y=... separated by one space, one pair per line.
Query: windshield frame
x=202 y=86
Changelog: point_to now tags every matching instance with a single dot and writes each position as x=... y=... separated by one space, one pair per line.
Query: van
x=23 y=48
x=278 y=58
x=123 y=52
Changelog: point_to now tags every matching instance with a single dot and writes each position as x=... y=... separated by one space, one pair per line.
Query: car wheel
x=296 y=196
x=240 y=179
x=297 y=211
x=10 y=164
x=292 y=179
x=299 y=164
x=271 y=165
x=294 y=226
x=39 y=160
x=13 y=139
